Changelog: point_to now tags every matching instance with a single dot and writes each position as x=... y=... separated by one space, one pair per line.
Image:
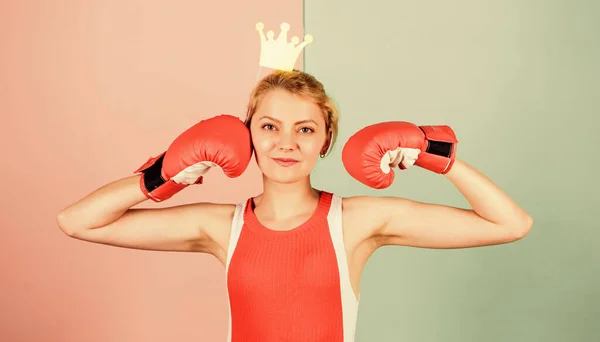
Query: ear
x=327 y=143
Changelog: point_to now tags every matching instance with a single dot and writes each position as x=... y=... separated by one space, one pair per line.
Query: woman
x=294 y=254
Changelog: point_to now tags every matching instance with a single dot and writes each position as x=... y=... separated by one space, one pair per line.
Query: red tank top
x=290 y=285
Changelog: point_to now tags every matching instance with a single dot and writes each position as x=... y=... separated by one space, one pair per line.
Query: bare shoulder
x=216 y=213
x=209 y=216
x=209 y=225
x=216 y=218
x=361 y=216
x=370 y=214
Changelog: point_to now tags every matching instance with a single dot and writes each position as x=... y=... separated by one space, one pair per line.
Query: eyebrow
x=296 y=123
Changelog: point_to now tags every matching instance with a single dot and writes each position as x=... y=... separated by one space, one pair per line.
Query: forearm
x=103 y=206
x=486 y=198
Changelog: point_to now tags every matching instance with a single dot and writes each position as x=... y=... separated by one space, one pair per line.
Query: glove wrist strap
x=152 y=175
x=441 y=149
x=152 y=183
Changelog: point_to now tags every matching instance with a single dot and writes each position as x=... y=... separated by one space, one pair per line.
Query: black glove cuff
x=152 y=175
x=439 y=148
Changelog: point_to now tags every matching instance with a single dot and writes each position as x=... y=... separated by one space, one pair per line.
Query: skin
x=288 y=126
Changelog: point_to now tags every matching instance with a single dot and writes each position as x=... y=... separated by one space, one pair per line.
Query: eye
x=307 y=130
x=268 y=127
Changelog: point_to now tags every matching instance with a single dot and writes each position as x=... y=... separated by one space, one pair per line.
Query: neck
x=284 y=200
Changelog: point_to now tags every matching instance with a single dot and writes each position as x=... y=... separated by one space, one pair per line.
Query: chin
x=284 y=177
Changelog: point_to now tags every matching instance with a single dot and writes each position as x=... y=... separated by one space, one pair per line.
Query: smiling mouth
x=285 y=161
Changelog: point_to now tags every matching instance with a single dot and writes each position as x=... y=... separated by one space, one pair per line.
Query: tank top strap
x=350 y=300
x=236 y=229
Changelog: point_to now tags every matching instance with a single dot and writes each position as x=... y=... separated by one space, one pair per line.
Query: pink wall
x=89 y=91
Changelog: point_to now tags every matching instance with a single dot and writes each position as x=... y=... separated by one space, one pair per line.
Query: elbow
x=64 y=225
x=523 y=227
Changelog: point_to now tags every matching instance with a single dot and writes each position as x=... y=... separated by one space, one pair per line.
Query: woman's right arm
x=106 y=216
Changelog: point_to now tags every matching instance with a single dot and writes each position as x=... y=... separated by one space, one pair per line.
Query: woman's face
x=288 y=134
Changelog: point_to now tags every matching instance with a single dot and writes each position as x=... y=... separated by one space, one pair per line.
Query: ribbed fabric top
x=285 y=285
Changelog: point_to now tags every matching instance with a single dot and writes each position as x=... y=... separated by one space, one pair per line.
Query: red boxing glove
x=222 y=141
x=371 y=153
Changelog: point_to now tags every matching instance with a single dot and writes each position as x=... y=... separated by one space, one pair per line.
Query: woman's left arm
x=494 y=218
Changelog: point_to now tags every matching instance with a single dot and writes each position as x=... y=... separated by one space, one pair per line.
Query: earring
x=322 y=155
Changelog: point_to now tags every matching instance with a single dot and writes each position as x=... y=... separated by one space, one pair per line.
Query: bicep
x=179 y=228
x=416 y=224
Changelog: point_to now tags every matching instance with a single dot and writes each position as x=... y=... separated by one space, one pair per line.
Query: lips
x=285 y=162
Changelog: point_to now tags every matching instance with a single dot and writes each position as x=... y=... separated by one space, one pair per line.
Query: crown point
x=280 y=54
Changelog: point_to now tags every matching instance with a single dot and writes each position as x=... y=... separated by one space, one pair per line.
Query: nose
x=287 y=141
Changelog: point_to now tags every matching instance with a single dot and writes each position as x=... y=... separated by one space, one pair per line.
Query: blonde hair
x=301 y=84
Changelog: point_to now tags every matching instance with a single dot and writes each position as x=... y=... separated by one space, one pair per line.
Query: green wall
x=519 y=83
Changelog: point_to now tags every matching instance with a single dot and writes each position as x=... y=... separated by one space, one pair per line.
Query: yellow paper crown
x=279 y=54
